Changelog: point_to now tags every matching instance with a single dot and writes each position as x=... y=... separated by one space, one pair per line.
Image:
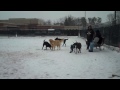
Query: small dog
x=45 y=43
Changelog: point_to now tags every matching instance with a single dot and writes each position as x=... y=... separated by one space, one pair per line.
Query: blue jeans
x=92 y=44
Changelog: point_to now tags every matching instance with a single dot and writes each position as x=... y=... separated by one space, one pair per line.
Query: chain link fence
x=111 y=34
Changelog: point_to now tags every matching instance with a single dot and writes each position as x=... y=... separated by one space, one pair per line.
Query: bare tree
x=90 y=20
x=99 y=20
x=48 y=22
x=84 y=22
x=94 y=20
x=111 y=18
x=77 y=21
x=69 y=21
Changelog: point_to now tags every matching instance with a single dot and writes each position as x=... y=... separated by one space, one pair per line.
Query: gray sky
x=53 y=15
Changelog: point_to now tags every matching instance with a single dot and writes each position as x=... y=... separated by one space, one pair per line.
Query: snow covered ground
x=23 y=58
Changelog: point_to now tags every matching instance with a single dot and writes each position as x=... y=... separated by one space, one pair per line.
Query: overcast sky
x=53 y=15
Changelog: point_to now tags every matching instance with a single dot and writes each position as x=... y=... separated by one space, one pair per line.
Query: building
x=73 y=27
x=24 y=21
x=5 y=25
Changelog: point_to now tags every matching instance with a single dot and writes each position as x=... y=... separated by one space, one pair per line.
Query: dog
x=76 y=47
x=45 y=43
x=64 y=42
x=55 y=43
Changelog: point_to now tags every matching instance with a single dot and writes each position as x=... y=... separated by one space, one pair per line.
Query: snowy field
x=23 y=58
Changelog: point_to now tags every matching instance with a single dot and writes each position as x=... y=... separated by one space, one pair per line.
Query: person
x=90 y=36
x=97 y=40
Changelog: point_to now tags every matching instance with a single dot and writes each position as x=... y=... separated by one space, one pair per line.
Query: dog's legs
x=70 y=51
x=52 y=48
x=42 y=47
x=76 y=50
x=58 y=47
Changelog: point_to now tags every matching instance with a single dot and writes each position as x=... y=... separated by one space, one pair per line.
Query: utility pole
x=85 y=20
x=115 y=17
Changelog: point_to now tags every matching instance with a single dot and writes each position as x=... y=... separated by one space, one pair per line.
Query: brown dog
x=55 y=43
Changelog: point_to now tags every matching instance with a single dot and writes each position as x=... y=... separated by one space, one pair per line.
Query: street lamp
x=85 y=20
x=115 y=17
x=78 y=30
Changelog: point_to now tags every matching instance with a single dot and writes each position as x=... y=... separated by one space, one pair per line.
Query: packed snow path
x=23 y=58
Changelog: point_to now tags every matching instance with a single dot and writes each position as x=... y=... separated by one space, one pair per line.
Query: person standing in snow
x=90 y=36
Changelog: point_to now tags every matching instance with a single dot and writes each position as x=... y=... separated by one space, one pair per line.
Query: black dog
x=72 y=48
x=58 y=39
x=45 y=43
x=76 y=46
x=64 y=42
